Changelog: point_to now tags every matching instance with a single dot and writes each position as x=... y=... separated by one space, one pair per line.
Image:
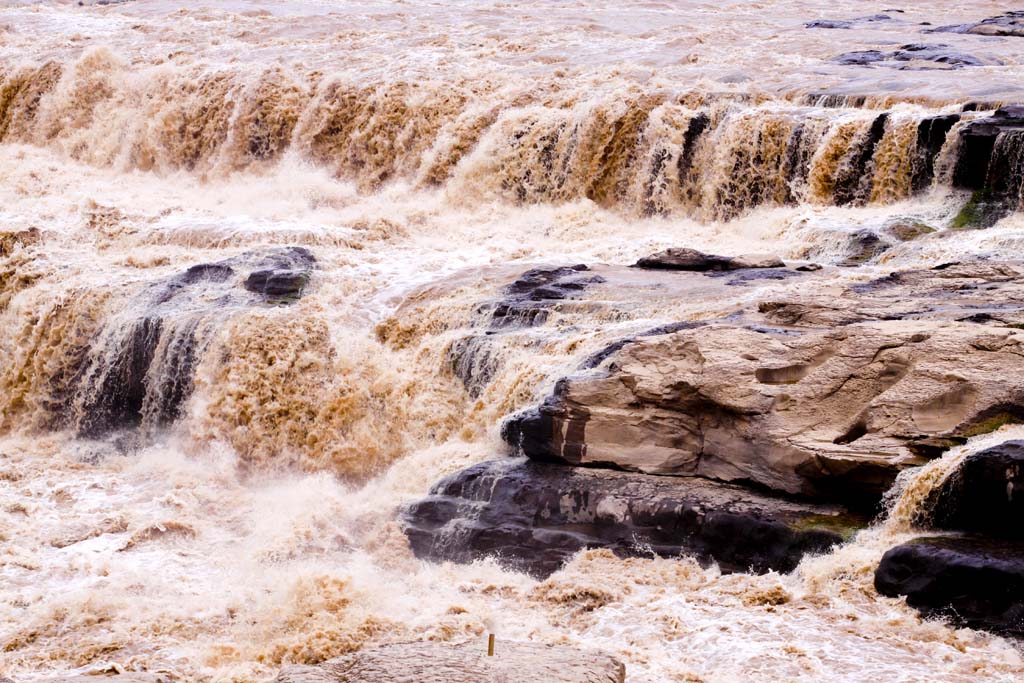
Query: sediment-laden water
x=200 y=471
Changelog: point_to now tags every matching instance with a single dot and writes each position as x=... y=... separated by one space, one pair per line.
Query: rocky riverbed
x=661 y=341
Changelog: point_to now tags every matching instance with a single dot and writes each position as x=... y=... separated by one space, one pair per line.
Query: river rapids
x=221 y=500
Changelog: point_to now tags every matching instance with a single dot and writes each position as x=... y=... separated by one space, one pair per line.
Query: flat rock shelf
x=464 y=663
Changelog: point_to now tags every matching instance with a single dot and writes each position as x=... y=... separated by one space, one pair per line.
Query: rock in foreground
x=975 y=582
x=534 y=517
x=465 y=663
x=831 y=414
x=985 y=494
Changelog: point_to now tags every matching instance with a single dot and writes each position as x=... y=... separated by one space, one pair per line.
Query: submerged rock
x=907 y=230
x=678 y=258
x=973 y=581
x=534 y=517
x=434 y=662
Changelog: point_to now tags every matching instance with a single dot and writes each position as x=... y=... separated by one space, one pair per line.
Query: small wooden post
x=490 y=645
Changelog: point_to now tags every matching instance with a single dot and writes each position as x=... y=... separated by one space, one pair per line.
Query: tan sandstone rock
x=822 y=413
x=430 y=662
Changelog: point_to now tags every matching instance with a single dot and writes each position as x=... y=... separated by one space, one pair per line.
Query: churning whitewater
x=252 y=261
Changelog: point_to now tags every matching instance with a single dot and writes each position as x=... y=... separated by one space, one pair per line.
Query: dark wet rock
x=443 y=662
x=1007 y=24
x=861 y=57
x=941 y=54
x=852 y=180
x=990 y=161
x=848 y=23
x=974 y=582
x=931 y=136
x=986 y=492
x=529 y=299
x=534 y=517
x=527 y=302
x=680 y=258
x=281 y=275
x=809 y=268
x=475 y=360
x=913 y=52
x=139 y=369
x=698 y=124
x=978 y=140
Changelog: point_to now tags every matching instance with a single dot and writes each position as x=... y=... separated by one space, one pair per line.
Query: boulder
x=824 y=413
x=278 y=285
x=907 y=230
x=1008 y=24
x=985 y=494
x=825 y=389
x=972 y=581
x=864 y=246
x=679 y=258
x=434 y=662
x=533 y=517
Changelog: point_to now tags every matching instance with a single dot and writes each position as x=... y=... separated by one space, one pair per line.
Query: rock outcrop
x=1007 y=24
x=139 y=367
x=984 y=495
x=534 y=517
x=771 y=423
x=432 y=662
x=526 y=303
x=990 y=161
x=677 y=258
x=974 y=582
x=831 y=414
x=974 y=577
